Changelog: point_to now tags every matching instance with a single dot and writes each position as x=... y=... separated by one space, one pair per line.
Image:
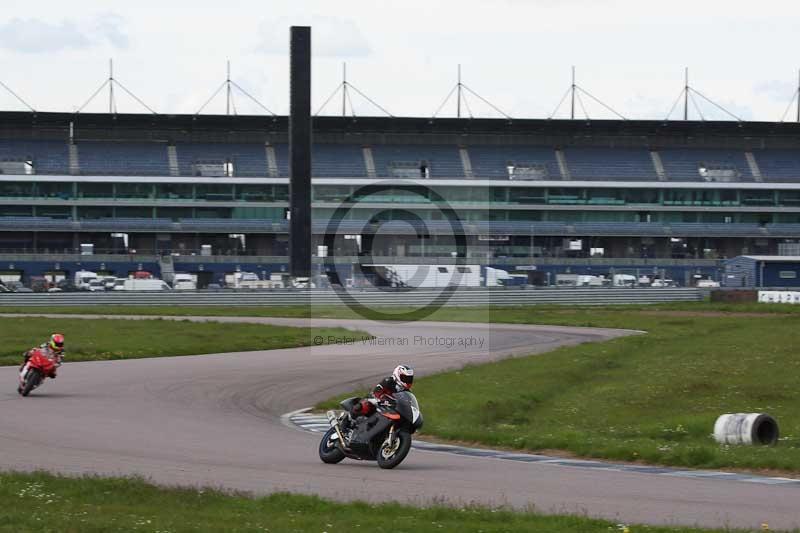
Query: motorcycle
x=384 y=436
x=36 y=369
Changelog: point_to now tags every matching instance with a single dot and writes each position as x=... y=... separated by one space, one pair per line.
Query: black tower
x=300 y=153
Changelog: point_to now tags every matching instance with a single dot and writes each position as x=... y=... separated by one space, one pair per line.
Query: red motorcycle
x=35 y=370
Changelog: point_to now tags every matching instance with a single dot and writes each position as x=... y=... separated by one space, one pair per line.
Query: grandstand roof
x=252 y=128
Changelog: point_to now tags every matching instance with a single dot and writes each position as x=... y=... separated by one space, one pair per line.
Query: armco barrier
x=420 y=297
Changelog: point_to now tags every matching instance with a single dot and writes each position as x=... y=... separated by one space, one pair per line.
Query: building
x=665 y=198
x=763 y=271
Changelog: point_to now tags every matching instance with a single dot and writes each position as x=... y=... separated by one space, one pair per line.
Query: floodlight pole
x=572 y=107
x=798 y=96
x=686 y=94
x=344 y=89
x=458 y=96
x=228 y=85
x=110 y=86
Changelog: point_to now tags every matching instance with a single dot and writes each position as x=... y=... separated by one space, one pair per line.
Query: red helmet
x=56 y=342
x=404 y=376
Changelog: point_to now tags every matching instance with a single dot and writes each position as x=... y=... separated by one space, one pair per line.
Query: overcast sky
x=404 y=55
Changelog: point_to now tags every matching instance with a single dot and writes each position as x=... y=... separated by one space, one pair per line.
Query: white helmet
x=404 y=376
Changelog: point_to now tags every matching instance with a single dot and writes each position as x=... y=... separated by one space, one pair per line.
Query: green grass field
x=92 y=340
x=40 y=502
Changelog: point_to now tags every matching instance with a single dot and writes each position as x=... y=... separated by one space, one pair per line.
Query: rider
x=52 y=349
x=402 y=379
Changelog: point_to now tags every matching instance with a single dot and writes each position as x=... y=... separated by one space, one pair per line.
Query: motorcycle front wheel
x=391 y=455
x=32 y=379
x=329 y=450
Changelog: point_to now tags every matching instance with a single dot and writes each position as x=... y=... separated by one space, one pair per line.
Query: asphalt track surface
x=215 y=420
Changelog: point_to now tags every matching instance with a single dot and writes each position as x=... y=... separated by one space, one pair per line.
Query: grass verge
x=651 y=398
x=42 y=502
x=105 y=339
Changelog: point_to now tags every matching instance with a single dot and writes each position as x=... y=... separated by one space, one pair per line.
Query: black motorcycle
x=384 y=436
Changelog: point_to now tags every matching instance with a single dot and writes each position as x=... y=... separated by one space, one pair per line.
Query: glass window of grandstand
x=56 y=190
x=640 y=196
x=281 y=193
x=134 y=190
x=758 y=197
x=526 y=195
x=500 y=195
x=95 y=212
x=331 y=193
x=566 y=196
x=54 y=211
x=791 y=198
x=214 y=192
x=16 y=211
x=605 y=196
x=174 y=191
x=459 y=194
x=678 y=197
x=95 y=190
x=395 y=195
x=16 y=189
x=254 y=193
x=465 y=194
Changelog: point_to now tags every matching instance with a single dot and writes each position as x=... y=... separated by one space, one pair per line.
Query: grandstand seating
x=338 y=161
x=683 y=164
x=49 y=157
x=491 y=161
x=327 y=160
x=116 y=158
x=443 y=161
x=779 y=165
x=248 y=159
x=613 y=164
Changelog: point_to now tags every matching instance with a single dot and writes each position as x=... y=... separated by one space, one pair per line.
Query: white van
x=83 y=278
x=141 y=285
x=184 y=282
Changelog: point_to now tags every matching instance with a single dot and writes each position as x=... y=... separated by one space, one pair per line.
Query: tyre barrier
x=746 y=428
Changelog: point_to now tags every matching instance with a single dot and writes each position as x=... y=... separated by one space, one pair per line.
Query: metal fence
x=373 y=297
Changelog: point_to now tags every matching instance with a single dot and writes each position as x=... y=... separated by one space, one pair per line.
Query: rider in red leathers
x=52 y=349
x=402 y=379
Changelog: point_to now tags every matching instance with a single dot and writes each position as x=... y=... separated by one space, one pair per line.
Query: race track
x=215 y=420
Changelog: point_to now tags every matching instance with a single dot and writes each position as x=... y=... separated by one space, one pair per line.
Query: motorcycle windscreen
x=408 y=407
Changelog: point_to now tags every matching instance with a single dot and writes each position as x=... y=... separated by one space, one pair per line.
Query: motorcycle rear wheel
x=391 y=458
x=329 y=450
x=32 y=379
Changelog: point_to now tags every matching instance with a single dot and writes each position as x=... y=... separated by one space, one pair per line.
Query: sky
x=516 y=54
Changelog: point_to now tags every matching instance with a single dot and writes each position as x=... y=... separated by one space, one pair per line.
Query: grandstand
x=568 y=193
